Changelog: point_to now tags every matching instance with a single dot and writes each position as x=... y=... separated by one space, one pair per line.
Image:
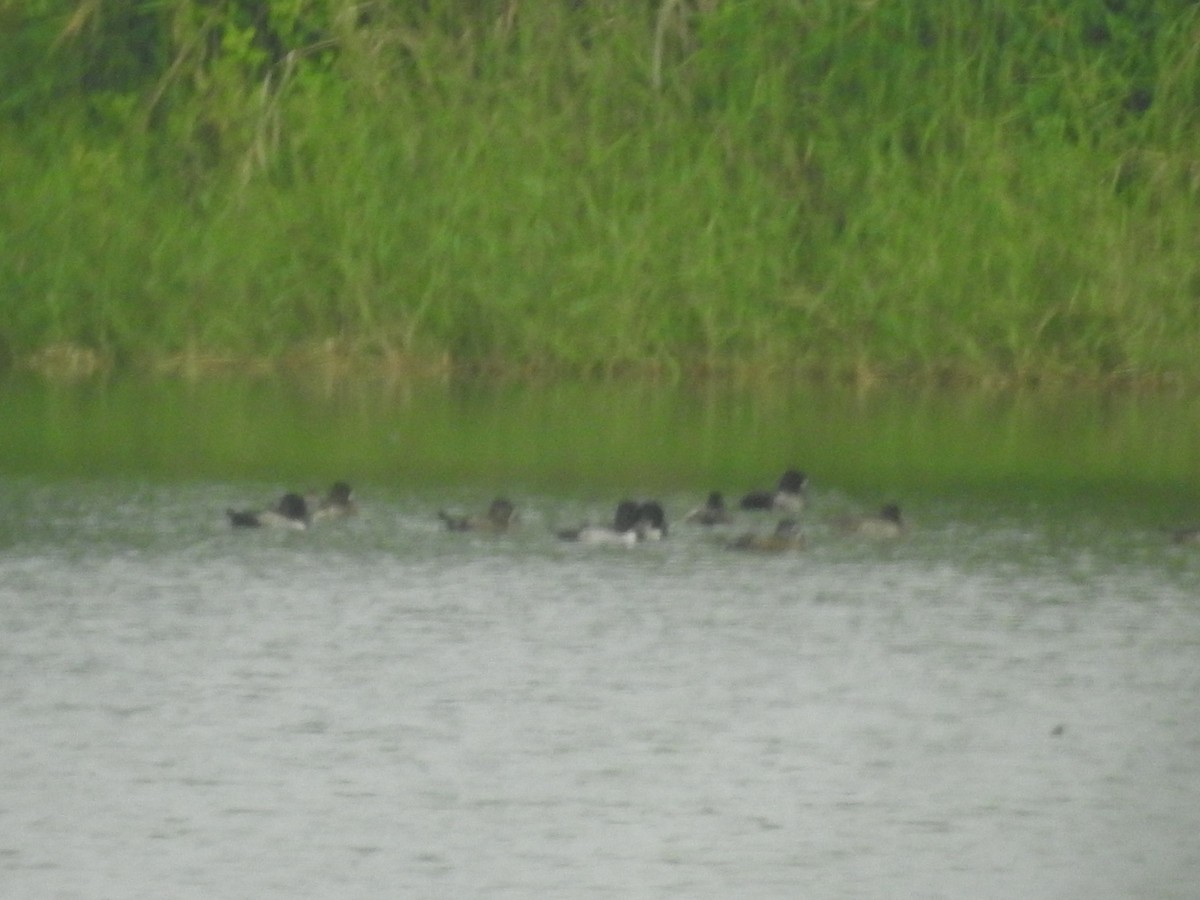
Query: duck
x=886 y=525
x=500 y=515
x=651 y=521
x=1186 y=535
x=788 y=494
x=713 y=512
x=290 y=512
x=337 y=504
x=786 y=536
x=623 y=530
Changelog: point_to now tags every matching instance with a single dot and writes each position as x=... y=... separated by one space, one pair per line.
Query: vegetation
x=975 y=189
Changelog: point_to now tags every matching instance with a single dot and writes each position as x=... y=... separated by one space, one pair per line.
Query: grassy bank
x=992 y=191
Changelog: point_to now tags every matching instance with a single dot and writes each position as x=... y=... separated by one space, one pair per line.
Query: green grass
x=993 y=191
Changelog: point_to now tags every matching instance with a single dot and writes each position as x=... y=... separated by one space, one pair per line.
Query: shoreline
x=332 y=360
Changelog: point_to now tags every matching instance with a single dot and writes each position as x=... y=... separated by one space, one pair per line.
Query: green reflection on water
x=627 y=437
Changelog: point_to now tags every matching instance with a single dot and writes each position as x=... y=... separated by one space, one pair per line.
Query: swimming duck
x=290 y=512
x=788 y=494
x=886 y=525
x=624 y=529
x=713 y=512
x=651 y=522
x=337 y=504
x=787 y=536
x=499 y=516
x=1186 y=535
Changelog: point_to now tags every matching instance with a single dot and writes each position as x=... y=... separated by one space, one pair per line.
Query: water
x=1001 y=705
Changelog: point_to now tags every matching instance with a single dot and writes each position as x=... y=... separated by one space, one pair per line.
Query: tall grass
x=990 y=190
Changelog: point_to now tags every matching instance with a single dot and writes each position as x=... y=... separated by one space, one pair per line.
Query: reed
x=985 y=191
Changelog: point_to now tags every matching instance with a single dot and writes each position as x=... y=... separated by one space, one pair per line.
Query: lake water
x=1003 y=704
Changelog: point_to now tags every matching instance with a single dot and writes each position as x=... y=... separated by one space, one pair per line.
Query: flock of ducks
x=633 y=522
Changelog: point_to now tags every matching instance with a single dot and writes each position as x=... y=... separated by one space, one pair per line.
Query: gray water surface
x=1002 y=705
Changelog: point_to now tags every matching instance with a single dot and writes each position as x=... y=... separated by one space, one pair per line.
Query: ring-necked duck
x=888 y=524
x=623 y=530
x=651 y=521
x=500 y=515
x=788 y=495
x=787 y=536
x=337 y=504
x=290 y=512
x=713 y=512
